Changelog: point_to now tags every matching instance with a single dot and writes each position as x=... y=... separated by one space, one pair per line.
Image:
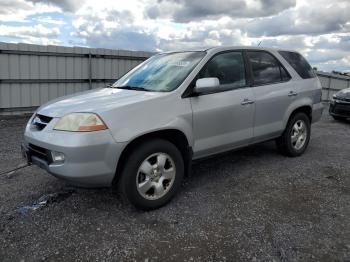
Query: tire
x=296 y=136
x=339 y=118
x=144 y=182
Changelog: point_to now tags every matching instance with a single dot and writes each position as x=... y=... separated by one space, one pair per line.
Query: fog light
x=57 y=157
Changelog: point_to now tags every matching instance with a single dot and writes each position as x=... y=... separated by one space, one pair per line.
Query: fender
x=304 y=101
x=178 y=124
x=130 y=121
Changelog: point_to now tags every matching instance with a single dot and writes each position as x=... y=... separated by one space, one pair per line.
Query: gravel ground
x=248 y=205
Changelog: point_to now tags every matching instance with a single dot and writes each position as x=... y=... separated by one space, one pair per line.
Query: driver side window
x=228 y=68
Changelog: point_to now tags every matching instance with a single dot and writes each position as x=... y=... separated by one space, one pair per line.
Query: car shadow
x=108 y=199
x=239 y=156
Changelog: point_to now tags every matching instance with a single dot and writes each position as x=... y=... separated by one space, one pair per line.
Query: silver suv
x=143 y=132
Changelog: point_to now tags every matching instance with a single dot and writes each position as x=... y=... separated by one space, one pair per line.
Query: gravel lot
x=248 y=205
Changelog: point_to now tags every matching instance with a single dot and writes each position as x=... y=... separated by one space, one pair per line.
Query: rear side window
x=266 y=68
x=228 y=68
x=299 y=64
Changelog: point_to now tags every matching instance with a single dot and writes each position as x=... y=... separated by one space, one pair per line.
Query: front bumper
x=339 y=108
x=90 y=157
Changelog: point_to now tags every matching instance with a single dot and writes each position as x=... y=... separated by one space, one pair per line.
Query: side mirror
x=206 y=85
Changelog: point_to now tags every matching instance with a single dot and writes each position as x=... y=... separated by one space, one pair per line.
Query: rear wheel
x=152 y=174
x=296 y=136
x=339 y=118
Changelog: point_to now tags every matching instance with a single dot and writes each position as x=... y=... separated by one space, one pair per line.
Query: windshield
x=161 y=73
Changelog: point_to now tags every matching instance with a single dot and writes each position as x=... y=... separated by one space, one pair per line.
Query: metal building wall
x=31 y=75
x=331 y=84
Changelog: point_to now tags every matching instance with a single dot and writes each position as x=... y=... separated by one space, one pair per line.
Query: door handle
x=292 y=93
x=246 y=101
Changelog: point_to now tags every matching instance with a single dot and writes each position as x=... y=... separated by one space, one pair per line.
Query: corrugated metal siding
x=31 y=75
x=331 y=84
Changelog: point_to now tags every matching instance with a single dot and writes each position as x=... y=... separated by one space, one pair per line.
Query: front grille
x=341 y=109
x=41 y=121
x=40 y=152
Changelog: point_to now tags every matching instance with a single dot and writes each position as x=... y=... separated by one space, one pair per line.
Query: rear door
x=273 y=93
x=223 y=119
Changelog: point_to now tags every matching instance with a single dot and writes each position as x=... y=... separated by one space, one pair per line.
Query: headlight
x=336 y=99
x=80 y=122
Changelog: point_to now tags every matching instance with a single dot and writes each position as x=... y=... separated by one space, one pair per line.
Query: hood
x=345 y=93
x=96 y=101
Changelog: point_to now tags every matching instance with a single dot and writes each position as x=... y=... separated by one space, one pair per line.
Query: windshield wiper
x=136 y=88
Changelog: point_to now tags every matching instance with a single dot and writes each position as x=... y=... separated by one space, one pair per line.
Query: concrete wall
x=31 y=75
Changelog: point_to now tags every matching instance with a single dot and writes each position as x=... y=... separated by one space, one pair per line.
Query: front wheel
x=152 y=174
x=296 y=136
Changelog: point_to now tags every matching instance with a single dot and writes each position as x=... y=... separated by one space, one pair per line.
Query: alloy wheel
x=299 y=134
x=155 y=176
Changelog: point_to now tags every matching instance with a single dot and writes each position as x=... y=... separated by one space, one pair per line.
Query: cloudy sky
x=319 y=29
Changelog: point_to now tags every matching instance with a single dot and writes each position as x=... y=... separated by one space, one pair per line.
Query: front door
x=224 y=119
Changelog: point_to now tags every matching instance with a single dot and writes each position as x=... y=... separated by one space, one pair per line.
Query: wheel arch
x=304 y=106
x=175 y=136
x=284 y=143
x=304 y=109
